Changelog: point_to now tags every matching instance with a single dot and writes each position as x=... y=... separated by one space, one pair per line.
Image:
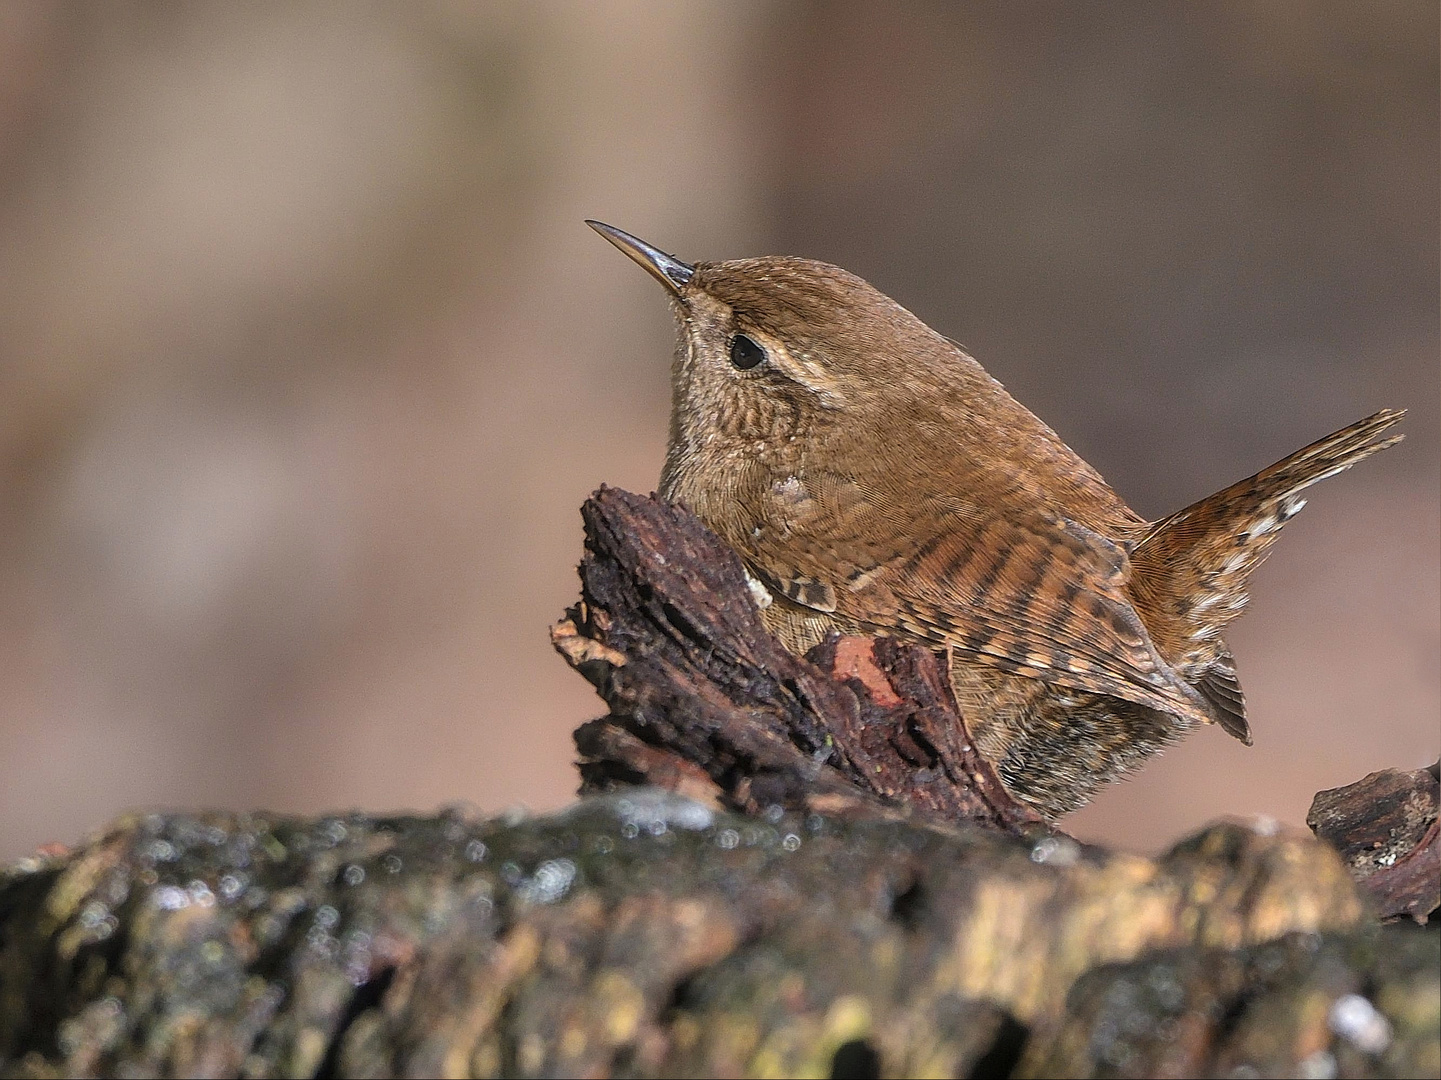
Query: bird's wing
x=1038 y=597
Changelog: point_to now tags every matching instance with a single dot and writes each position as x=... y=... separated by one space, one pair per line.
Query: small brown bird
x=875 y=480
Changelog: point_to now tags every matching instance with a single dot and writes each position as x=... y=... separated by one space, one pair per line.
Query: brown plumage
x=875 y=479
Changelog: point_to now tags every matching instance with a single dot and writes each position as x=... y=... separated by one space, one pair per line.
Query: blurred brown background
x=307 y=361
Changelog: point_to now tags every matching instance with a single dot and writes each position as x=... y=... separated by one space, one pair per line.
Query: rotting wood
x=1385 y=827
x=703 y=700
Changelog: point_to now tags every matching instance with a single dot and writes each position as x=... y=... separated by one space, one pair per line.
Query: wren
x=875 y=480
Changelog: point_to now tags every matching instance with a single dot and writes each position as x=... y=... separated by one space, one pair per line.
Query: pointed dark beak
x=667 y=269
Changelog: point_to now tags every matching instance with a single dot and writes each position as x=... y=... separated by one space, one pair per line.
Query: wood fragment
x=1385 y=827
x=703 y=700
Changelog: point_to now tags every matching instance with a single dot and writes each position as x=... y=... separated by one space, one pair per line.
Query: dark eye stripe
x=745 y=353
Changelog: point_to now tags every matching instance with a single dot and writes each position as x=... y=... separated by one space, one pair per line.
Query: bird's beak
x=667 y=269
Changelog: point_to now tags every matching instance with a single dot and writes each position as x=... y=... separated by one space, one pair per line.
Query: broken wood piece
x=705 y=701
x=1385 y=827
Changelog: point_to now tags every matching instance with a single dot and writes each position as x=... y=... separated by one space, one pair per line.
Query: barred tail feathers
x=1189 y=570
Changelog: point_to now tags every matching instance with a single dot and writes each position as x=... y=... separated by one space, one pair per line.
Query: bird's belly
x=1052 y=745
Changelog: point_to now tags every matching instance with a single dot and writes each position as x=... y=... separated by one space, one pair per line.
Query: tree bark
x=704 y=701
x=1385 y=827
x=645 y=934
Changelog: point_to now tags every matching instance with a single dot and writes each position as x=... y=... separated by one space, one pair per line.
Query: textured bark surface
x=1303 y=1005
x=648 y=935
x=1385 y=827
x=704 y=701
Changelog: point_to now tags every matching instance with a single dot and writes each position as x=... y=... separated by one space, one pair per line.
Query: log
x=647 y=934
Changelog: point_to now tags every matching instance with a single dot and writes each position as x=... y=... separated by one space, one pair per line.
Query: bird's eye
x=745 y=353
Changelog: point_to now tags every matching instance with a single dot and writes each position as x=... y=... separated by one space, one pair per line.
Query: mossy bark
x=647 y=934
